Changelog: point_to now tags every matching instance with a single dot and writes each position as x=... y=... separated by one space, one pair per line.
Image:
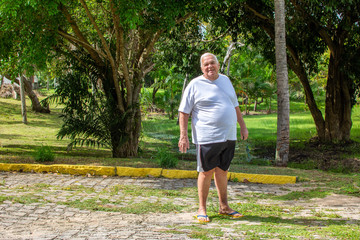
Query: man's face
x=210 y=68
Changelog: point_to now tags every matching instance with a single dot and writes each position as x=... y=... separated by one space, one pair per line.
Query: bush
x=166 y=159
x=44 y=154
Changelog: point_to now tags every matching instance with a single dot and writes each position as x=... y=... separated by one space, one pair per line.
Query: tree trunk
x=125 y=137
x=269 y=109
x=35 y=103
x=153 y=96
x=23 y=101
x=283 y=130
x=337 y=104
x=226 y=63
x=36 y=106
x=309 y=98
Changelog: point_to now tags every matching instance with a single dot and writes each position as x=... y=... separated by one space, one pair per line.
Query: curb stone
x=140 y=172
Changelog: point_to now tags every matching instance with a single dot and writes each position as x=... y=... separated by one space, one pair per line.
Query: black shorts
x=210 y=156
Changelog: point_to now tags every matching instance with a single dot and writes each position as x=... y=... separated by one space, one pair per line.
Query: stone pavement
x=33 y=206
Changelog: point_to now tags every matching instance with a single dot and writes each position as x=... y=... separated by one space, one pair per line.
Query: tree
x=171 y=82
x=36 y=105
x=11 y=67
x=283 y=129
x=177 y=58
x=253 y=74
x=312 y=28
x=112 y=40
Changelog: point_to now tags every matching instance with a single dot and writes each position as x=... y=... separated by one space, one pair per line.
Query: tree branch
x=149 y=68
x=110 y=57
x=86 y=45
x=320 y=29
x=181 y=19
x=257 y=14
x=219 y=37
x=149 y=47
x=78 y=33
x=116 y=28
x=120 y=52
x=101 y=36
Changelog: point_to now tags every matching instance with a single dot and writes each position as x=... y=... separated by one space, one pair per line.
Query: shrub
x=166 y=159
x=44 y=154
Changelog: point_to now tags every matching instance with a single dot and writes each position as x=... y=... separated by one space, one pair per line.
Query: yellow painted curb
x=59 y=168
x=169 y=173
x=228 y=176
x=262 y=178
x=84 y=170
x=138 y=172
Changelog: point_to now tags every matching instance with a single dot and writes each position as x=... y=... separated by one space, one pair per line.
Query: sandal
x=232 y=215
x=201 y=219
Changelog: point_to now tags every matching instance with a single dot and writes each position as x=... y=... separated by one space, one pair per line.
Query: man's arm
x=184 y=139
x=243 y=130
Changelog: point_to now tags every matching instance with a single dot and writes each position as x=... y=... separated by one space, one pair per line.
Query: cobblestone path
x=33 y=206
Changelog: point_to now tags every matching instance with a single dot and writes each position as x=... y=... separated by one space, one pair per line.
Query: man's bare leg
x=204 y=182
x=221 y=186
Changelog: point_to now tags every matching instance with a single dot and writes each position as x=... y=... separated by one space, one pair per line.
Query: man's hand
x=244 y=133
x=243 y=129
x=184 y=140
x=183 y=144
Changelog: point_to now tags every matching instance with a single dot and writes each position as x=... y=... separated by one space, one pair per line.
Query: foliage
x=251 y=73
x=117 y=37
x=171 y=82
x=184 y=46
x=166 y=159
x=44 y=154
x=146 y=102
x=313 y=27
x=177 y=61
x=87 y=114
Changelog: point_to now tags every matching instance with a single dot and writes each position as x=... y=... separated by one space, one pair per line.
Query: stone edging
x=139 y=172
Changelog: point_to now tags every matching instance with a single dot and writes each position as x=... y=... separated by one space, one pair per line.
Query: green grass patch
x=44 y=154
x=157 y=207
x=296 y=195
x=280 y=222
x=166 y=159
x=120 y=198
x=199 y=232
x=136 y=191
x=24 y=199
x=143 y=207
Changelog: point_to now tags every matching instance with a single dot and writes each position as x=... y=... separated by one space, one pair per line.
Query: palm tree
x=283 y=130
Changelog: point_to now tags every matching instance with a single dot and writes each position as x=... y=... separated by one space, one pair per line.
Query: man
x=212 y=102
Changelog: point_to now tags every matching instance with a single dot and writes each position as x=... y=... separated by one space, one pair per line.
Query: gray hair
x=208 y=54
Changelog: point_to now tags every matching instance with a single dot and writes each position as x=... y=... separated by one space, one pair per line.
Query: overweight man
x=212 y=102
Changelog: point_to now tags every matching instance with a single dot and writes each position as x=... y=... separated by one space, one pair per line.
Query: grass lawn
x=159 y=139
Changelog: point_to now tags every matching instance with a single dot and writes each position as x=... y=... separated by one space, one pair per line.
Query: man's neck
x=212 y=78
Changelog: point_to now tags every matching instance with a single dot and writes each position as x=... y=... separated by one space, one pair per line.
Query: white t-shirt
x=212 y=105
